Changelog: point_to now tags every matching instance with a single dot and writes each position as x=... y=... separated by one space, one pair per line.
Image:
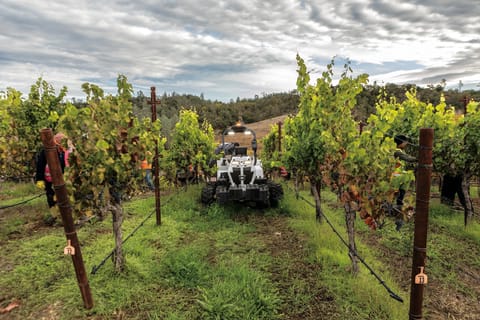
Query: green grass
x=360 y=297
x=12 y=190
x=209 y=263
x=239 y=292
x=169 y=273
x=450 y=244
x=452 y=222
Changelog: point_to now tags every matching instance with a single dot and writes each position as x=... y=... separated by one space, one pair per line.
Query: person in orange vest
x=147 y=167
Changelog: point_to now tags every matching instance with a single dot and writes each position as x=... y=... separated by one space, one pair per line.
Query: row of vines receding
x=107 y=143
x=326 y=144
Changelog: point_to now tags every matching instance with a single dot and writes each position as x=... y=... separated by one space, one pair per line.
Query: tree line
x=222 y=114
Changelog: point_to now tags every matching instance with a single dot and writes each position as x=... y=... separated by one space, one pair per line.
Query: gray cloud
x=233 y=48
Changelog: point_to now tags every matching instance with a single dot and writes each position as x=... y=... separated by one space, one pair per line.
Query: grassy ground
x=230 y=263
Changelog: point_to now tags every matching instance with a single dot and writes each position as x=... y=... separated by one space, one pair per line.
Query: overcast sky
x=239 y=48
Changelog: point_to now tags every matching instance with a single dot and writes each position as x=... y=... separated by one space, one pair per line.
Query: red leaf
x=10 y=307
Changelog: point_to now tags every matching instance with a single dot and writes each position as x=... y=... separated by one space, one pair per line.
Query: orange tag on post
x=421 y=278
x=69 y=249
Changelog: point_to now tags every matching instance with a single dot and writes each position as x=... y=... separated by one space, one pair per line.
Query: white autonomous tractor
x=240 y=177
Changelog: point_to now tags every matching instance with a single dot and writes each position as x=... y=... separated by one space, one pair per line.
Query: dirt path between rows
x=297 y=279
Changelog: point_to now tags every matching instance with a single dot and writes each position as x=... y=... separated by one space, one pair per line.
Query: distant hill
x=219 y=114
x=261 y=129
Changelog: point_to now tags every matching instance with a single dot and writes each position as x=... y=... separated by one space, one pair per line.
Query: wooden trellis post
x=424 y=173
x=63 y=203
x=156 y=162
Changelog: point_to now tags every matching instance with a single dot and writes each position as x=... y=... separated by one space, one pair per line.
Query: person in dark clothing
x=43 y=178
x=401 y=141
x=451 y=185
